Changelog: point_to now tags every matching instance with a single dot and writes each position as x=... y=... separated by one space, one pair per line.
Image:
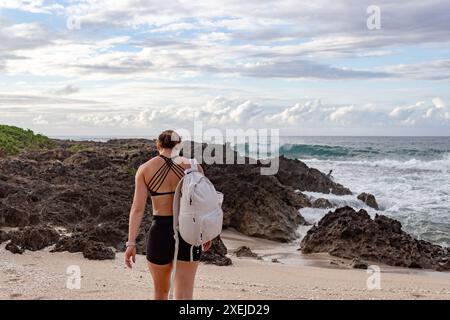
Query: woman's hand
x=207 y=245
x=130 y=256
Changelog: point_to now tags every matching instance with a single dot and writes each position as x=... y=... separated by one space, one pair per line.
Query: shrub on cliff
x=14 y=139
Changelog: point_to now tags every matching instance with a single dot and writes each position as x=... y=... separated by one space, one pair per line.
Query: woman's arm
x=136 y=214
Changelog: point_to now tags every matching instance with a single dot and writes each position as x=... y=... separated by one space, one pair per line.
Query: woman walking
x=159 y=176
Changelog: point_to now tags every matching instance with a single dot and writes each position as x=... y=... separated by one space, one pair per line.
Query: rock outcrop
x=12 y=217
x=87 y=189
x=75 y=243
x=359 y=264
x=97 y=251
x=34 y=238
x=14 y=248
x=259 y=206
x=368 y=199
x=245 y=251
x=4 y=236
x=322 y=203
x=254 y=204
x=298 y=175
x=348 y=234
x=216 y=254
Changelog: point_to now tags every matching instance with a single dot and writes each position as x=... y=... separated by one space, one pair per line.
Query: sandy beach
x=42 y=275
x=316 y=137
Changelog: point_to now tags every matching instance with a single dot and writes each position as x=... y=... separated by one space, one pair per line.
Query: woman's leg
x=161 y=280
x=184 y=280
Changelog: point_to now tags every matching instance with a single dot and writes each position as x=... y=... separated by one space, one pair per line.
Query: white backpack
x=197 y=210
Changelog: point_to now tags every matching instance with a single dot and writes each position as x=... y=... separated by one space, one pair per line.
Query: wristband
x=130 y=243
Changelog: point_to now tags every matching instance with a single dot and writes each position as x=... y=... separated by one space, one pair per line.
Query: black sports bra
x=160 y=175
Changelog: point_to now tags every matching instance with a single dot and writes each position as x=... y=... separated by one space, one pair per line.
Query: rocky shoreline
x=76 y=197
x=84 y=190
x=351 y=234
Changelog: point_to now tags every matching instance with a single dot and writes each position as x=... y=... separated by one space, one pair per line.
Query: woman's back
x=161 y=175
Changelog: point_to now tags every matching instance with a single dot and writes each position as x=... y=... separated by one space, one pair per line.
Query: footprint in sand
x=15 y=295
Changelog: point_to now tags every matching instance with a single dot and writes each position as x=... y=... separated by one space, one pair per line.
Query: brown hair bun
x=168 y=139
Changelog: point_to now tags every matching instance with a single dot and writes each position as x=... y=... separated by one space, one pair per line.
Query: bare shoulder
x=150 y=165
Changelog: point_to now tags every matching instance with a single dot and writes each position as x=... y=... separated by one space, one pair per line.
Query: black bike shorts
x=161 y=243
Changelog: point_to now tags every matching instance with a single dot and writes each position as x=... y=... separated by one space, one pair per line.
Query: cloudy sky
x=134 y=67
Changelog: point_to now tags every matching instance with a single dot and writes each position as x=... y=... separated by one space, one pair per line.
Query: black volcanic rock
x=259 y=206
x=87 y=188
x=34 y=238
x=14 y=248
x=254 y=204
x=348 y=234
x=359 y=264
x=216 y=254
x=4 y=236
x=245 y=251
x=368 y=199
x=12 y=217
x=6 y=189
x=70 y=244
x=109 y=233
x=98 y=251
x=298 y=175
x=322 y=203
x=89 y=160
x=445 y=264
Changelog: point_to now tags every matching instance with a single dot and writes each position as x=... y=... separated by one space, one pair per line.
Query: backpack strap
x=175 y=258
x=193 y=163
x=194 y=167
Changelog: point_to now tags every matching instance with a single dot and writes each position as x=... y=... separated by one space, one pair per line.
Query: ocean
x=409 y=176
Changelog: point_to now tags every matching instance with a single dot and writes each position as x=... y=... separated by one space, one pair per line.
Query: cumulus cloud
x=438 y=103
x=100 y=120
x=341 y=113
x=312 y=116
x=218 y=112
x=422 y=112
x=298 y=114
x=235 y=113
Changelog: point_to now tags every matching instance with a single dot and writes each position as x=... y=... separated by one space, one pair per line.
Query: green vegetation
x=80 y=147
x=131 y=171
x=14 y=139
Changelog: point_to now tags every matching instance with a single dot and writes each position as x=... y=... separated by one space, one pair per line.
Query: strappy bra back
x=160 y=175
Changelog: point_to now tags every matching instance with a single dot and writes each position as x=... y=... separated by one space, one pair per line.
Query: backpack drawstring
x=175 y=258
